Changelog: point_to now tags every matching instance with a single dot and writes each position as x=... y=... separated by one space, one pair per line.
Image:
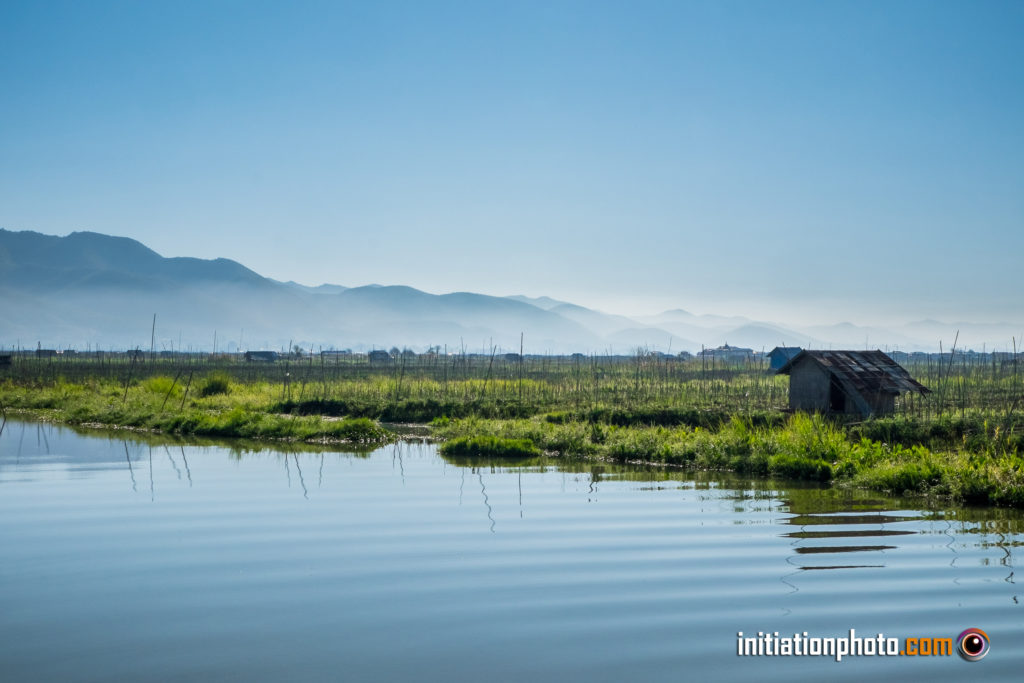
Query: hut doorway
x=836 y=397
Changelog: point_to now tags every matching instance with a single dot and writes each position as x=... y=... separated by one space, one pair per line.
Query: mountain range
x=87 y=289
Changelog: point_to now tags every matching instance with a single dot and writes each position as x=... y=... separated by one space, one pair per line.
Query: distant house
x=847 y=382
x=261 y=356
x=5 y=359
x=781 y=355
x=729 y=354
x=46 y=353
x=379 y=356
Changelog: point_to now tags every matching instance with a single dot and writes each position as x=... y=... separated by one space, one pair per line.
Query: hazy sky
x=807 y=161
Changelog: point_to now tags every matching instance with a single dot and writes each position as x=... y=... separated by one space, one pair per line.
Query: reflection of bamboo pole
x=302 y=481
x=487 y=502
x=188 y=472
x=130 y=470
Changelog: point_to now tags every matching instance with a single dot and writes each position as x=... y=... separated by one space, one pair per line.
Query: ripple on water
x=141 y=561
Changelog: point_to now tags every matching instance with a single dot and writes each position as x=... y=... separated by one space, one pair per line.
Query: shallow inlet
x=159 y=560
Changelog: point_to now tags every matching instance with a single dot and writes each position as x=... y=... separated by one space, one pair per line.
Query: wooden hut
x=847 y=382
x=379 y=356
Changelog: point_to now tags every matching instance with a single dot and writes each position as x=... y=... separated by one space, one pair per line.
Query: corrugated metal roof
x=866 y=372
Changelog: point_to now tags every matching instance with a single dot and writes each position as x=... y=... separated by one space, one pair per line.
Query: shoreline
x=806 y=449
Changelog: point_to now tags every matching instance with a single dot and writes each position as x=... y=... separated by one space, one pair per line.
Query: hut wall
x=884 y=404
x=809 y=388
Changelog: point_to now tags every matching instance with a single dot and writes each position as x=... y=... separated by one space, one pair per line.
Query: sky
x=809 y=162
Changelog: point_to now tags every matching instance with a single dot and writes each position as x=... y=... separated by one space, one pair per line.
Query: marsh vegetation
x=963 y=441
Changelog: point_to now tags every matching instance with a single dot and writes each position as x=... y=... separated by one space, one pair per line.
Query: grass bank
x=969 y=452
x=157 y=405
x=800 y=447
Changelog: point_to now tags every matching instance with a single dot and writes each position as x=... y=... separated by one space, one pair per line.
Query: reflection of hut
x=781 y=355
x=852 y=382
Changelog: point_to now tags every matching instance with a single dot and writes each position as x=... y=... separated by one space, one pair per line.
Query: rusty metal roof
x=866 y=372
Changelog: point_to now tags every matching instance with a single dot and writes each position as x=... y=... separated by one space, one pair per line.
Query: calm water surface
x=125 y=559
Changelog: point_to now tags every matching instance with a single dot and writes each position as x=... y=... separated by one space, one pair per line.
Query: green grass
x=801 y=447
x=489 y=447
x=216 y=415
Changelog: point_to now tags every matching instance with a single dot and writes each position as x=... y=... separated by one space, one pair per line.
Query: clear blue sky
x=809 y=161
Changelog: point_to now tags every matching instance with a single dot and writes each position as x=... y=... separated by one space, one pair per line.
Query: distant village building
x=847 y=382
x=46 y=353
x=261 y=356
x=728 y=354
x=379 y=356
x=781 y=355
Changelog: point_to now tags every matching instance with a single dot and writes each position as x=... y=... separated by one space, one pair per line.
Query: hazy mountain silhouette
x=89 y=288
x=93 y=289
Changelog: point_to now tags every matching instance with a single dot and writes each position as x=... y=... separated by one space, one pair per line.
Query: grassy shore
x=806 y=447
x=963 y=443
x=156 y=405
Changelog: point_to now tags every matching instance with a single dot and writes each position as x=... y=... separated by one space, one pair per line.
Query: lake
x=139 y=558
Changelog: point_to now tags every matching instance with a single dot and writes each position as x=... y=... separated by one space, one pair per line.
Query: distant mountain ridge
x=91 y=289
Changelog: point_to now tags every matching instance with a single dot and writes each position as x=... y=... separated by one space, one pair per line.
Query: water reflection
x=826 y=529
x=607 y=572
x=843 y=524
x=487 y=502
x=302 y=481
x=174 y=465
x=131 y=471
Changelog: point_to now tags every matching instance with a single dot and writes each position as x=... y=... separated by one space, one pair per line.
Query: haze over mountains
x=90 y=289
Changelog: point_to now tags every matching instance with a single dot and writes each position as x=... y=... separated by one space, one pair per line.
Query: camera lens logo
x=973 y=644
